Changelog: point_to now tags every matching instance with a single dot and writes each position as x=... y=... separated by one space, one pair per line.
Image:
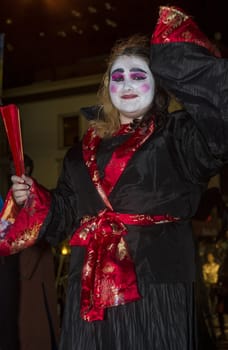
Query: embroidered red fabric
x=174 y=25
x=19 y=227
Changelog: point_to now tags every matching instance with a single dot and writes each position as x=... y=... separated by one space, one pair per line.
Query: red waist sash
x=108 y=276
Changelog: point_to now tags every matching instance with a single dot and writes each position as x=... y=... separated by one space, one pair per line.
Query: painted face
x=131 y=87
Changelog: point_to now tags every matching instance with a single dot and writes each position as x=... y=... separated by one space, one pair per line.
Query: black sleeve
x=62 y=219
x=200 y=81
x=190 y=150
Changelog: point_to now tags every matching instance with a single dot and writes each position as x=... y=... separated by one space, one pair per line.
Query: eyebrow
x=134 y=69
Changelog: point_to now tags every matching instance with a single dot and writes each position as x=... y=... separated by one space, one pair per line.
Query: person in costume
x=128 y=191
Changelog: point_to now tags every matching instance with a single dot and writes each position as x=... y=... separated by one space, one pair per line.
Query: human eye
x=117 y=77
x=138 y=76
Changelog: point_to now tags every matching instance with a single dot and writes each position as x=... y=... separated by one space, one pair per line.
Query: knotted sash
x=108 y=276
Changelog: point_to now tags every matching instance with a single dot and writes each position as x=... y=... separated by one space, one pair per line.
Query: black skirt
x=163 y=319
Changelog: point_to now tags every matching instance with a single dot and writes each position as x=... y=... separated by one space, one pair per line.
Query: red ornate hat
x=174 y=25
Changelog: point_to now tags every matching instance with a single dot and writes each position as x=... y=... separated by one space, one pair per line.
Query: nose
x=128 y=86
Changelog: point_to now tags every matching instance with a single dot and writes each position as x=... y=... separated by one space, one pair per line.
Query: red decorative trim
x=19 y=227
x=174 y=25
x=121 y=156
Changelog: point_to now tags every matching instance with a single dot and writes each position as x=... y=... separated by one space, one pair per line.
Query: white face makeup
x=131 y=87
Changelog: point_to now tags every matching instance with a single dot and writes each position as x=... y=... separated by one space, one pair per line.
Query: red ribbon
x=108 y=276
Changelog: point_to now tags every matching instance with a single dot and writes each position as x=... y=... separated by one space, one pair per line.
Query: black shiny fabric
x=200 y=81
x=162 y=320
x=165 y=176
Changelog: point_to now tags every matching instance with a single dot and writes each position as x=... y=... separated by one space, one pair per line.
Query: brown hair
x=108 y=120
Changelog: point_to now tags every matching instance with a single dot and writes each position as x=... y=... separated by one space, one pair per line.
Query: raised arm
x=186 y=63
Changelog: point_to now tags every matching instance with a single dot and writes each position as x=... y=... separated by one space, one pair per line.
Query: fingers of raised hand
x=20 y=191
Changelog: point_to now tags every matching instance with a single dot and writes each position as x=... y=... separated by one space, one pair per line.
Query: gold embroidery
x=173 y=15
x=84 y=233
x=108 y=268
x=121 y=249
x=27 y=239
x=86 y=271
x=10 y=211
x=95 y=176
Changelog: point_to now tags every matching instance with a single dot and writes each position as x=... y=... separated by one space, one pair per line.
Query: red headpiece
x=174 y=25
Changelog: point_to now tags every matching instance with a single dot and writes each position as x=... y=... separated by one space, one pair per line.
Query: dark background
x=59 y=39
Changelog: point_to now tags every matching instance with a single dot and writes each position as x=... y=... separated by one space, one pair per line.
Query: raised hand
x=21 y=188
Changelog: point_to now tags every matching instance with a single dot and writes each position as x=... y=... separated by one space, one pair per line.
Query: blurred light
x=218 y=36
x=76 y=13
x=65 y=250
x=62 y=34
x=96 y=27
x=92 y=9
x=74 y=28
x=110 y=23
x=10 y=47
x=108 y=6
x=9 y=21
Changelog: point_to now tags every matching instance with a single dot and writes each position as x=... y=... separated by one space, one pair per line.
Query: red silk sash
x=108 y=276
